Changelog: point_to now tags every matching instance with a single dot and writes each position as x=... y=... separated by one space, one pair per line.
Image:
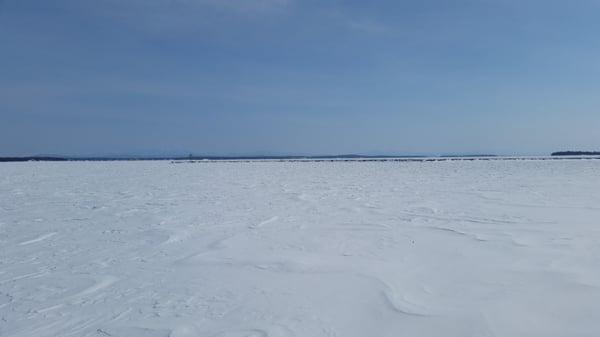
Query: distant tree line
x=576 y=153
x=18 y=159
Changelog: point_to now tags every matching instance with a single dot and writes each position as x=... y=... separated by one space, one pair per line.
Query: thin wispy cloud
x=245 y=6
x=172 y=16
x=355 y=22
x=169 y=7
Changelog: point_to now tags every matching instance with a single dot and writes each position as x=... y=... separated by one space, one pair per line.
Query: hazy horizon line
x=183 y=155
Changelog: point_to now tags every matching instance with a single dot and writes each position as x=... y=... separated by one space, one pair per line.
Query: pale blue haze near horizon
x=249 y=77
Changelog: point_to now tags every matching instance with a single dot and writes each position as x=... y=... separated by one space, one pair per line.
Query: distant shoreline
x=332 y=158
x=214 y=158
x=575 y=153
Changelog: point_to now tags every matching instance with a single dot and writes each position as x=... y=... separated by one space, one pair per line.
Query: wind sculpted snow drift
x=132 y=249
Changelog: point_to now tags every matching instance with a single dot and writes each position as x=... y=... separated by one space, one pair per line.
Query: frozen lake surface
x=333 y=249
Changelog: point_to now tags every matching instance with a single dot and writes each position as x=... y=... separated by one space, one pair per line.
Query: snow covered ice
x=306 y=249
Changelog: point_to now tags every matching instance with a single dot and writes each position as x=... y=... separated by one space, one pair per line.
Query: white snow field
x=307 y=249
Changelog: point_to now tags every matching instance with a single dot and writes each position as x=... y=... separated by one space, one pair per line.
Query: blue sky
x=96 y=77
